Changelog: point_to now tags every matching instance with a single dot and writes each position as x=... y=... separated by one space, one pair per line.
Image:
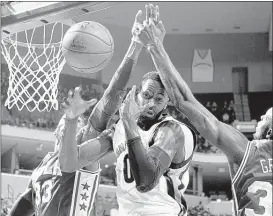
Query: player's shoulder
x=171 y=125
x=263 y=145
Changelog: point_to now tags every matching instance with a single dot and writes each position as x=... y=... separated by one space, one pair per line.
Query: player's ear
x=170 y=103
x=269 y=134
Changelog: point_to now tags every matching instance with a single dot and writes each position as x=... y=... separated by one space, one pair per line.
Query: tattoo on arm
x=105 y=109
x=114 y=94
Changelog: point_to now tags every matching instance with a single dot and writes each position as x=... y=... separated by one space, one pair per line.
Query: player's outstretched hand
x=153 y=31
x=137 y=27
x=129 y=110
x=74 y=105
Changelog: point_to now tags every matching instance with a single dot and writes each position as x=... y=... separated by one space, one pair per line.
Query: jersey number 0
x=127 y=172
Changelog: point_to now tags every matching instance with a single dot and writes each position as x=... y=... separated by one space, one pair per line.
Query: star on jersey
x=83 y=207
x=84 y=196
x=85 y=186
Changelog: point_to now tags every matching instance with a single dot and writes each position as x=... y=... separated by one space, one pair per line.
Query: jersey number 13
x=43 y=192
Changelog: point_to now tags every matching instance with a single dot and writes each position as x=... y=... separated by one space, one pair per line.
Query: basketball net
x=34 y=70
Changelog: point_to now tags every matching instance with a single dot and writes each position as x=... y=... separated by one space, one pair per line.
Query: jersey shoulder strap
x=243 y=163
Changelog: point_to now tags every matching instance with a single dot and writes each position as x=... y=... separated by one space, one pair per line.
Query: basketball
x=88 y=47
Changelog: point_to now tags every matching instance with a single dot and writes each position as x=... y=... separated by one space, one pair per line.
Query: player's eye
x=158 y=100
x=146 y=95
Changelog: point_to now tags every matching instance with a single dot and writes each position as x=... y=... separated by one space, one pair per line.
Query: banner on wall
x=202 y=66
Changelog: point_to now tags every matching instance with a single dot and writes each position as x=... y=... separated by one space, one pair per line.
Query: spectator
x=226 y=118
x=231 y=112
x=208 y=106
x=214 y=109
x=225 y=107
x=231 y=104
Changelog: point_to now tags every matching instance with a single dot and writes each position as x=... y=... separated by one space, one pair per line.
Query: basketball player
x=250 y=162
x=50 y=190
x=153 y=151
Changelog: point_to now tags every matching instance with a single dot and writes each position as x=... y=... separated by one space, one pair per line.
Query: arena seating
x=220 y=104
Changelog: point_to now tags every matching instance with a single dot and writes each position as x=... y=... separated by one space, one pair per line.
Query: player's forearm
x=115 y=92
x=73 y=157
x=172 y=80
x=22 y=206
x=145 y=168
x=94 y=149
x=68 y=152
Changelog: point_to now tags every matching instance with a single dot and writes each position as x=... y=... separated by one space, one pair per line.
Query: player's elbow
x=146 y=187
x=147 y=182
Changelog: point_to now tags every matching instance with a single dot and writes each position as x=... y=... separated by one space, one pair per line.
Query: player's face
x=263 y=125
x=153 y=95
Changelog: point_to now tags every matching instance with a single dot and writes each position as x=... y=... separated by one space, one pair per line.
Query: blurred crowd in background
x=49 y=120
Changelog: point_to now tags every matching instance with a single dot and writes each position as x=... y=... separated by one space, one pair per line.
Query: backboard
x=20 y=16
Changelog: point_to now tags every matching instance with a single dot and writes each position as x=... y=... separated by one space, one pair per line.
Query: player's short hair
x=153 y=75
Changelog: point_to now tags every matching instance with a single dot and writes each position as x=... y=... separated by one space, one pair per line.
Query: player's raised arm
x=227 y=138
x=71 y=155
x=115 y=92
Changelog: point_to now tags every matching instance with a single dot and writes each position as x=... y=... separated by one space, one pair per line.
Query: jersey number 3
x=264 y=202
x=127 y=172
x=43 y=192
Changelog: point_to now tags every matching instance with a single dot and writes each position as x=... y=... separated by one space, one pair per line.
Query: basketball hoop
x=34 y=68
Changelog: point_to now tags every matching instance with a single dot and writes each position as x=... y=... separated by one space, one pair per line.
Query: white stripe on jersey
x=243 y=163
x=237 y=175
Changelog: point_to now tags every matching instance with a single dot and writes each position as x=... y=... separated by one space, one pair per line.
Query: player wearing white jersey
x=153 y=152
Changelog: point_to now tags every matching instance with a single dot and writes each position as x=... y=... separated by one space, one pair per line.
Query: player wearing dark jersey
x=250 y=162
x=252 y=184
x=50 y=190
